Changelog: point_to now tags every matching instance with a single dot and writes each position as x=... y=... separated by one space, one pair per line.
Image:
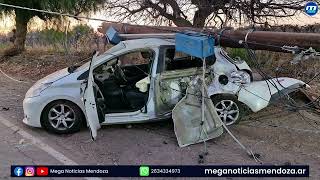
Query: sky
x=301 y=19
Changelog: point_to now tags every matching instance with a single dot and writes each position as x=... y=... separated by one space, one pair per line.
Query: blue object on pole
x=113 y=36
x=195 y=44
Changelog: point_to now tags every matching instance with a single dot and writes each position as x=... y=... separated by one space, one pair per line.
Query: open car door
x=89 y=100
x=189 y=126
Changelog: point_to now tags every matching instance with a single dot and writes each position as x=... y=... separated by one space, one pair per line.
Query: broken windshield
x=113 y=49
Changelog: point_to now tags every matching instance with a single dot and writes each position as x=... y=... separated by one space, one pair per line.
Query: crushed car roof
x=149 y=42
x=141 y=43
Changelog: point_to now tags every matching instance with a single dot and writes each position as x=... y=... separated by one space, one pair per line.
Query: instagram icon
x=29 y=171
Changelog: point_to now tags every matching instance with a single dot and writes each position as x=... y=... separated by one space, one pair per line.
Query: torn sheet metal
x=257 y=95
x=186 y=116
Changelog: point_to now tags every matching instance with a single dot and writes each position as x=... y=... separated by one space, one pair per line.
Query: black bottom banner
x=160 y=171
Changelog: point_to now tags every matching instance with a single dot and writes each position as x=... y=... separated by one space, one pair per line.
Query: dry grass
x=35 y=64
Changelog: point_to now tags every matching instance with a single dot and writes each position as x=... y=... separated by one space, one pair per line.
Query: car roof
x=136 y=44
x=139 y=44
x=148 y=42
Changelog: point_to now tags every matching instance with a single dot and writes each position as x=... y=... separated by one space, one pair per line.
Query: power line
x=64 y=14
x=11 y=78
x=76 y=17
x=116 y=22
x=56 y=13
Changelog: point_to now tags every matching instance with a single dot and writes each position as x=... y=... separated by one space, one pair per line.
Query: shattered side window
x=177 y=60
x=136 y=58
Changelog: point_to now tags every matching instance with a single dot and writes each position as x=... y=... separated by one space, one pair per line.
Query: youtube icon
x=42 y=171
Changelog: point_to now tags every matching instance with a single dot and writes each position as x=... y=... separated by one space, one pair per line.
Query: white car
x=140 y=81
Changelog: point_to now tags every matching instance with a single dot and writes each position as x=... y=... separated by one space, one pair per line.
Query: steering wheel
x=119 y=74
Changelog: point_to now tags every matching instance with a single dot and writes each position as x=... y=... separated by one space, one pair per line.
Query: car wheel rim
x=228 y=111
x=61 y=117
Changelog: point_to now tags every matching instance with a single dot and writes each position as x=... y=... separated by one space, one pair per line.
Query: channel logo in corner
x=311 y=8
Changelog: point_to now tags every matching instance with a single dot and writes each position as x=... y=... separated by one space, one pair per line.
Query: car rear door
x=190 y=126
x=89 y=100
x=171 y=84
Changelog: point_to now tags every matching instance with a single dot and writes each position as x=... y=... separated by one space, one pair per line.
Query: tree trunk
x=21 y=31
x=200 y=17
x=22 y=19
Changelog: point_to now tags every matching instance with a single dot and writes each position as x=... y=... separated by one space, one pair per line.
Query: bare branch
x=199 y=13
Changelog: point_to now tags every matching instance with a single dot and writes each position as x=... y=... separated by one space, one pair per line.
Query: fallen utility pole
x=258 y=40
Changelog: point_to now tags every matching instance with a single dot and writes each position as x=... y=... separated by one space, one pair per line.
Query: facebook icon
x=18 y=171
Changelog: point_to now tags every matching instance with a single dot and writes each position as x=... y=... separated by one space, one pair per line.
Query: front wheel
x=62 y=117
x=229 y=109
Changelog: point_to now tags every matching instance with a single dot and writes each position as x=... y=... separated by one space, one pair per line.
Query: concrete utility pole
x=259 y=40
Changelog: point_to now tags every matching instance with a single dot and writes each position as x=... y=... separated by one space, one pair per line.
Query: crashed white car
x=142 y=81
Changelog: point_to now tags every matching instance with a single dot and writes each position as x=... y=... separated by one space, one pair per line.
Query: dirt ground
x=278 y=135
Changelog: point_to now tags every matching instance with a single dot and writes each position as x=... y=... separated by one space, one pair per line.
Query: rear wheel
x=62 y=117
x=229 y=109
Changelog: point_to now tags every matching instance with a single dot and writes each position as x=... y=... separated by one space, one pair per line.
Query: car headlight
x=37 y=89
x=241 y=77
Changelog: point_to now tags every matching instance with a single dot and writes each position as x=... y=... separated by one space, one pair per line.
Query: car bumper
x=32 y=108
x=257 y=95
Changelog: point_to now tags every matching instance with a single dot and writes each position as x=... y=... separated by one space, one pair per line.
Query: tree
x=199 y=13
x=22 y=17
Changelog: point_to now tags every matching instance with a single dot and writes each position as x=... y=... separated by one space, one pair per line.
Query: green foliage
x=265 y=59
x=242 y=53
x=4 y=45
x=22 y=17
x=238 y=52
x=57 y=36
x=52 y=36
x=81 y=29
x=58 y=39
x=62 y=6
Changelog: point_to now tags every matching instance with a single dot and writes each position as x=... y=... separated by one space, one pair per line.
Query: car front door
x=89 y=100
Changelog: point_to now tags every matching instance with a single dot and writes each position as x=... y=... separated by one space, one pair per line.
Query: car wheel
x=62 y=117
x=229 y=109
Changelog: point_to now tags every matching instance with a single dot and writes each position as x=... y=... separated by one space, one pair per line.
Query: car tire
x=229 y=109
x=62 y=117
